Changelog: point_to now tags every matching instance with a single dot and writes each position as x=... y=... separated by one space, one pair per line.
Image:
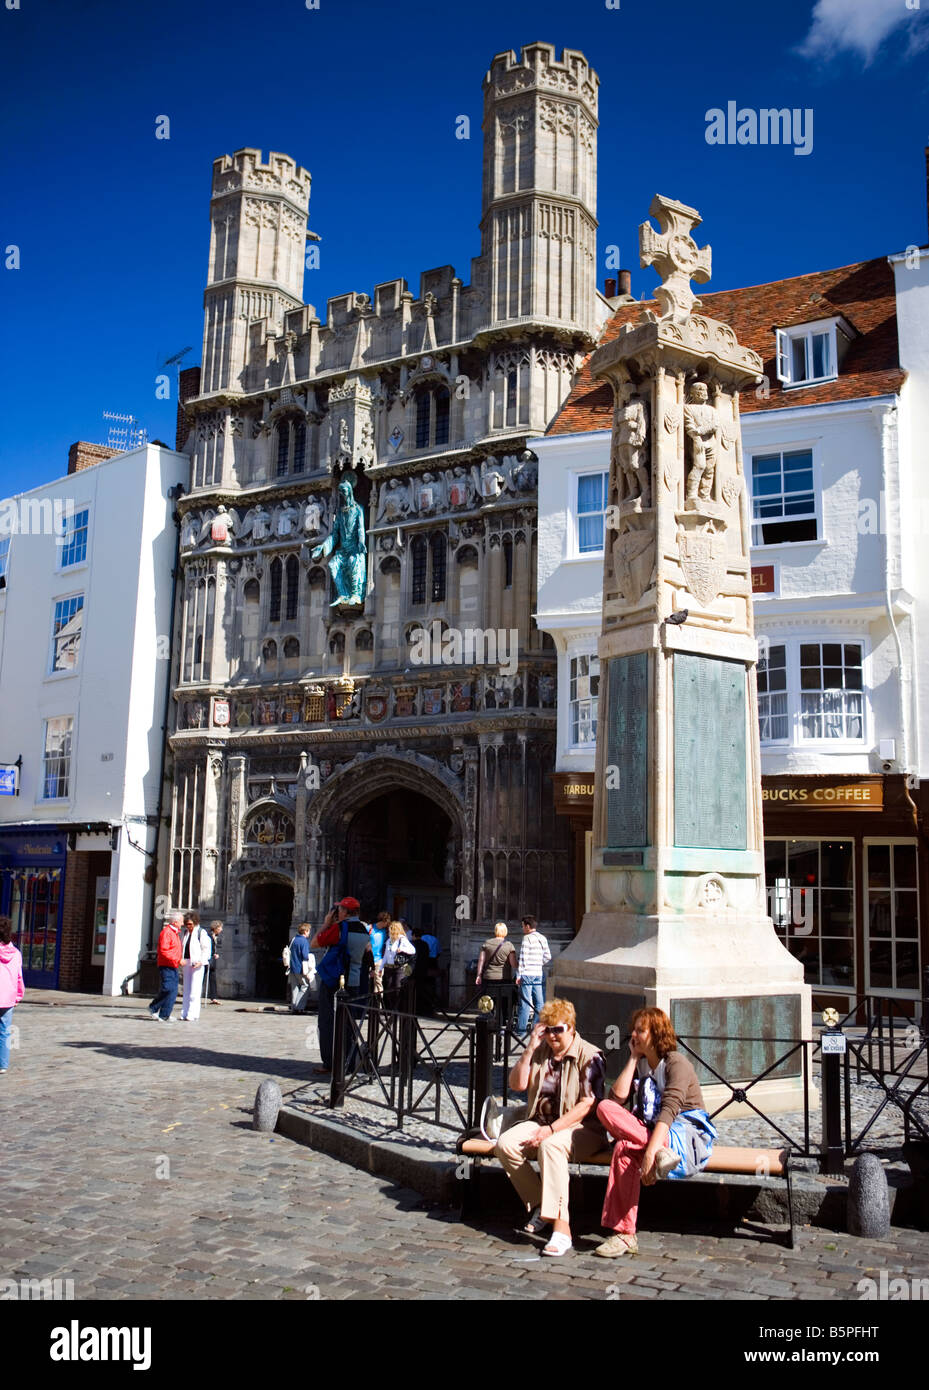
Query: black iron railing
x=440 y=1070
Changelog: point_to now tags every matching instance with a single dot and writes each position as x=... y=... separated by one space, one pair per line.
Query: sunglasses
x=556 y=1029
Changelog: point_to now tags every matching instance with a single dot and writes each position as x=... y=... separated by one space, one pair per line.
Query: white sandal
x=559 y=1244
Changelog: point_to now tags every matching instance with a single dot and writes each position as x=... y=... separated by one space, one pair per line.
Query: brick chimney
x=609 y=289
x=189 y=387
x=83 y=455
x=625 y=282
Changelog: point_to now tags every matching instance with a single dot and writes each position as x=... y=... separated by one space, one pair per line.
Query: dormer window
x=811 y=352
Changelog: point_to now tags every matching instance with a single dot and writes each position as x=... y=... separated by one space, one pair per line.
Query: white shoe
x=666 y=1160
x=170 y=1020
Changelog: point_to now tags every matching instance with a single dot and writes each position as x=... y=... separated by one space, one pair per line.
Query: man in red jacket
x=169 y=960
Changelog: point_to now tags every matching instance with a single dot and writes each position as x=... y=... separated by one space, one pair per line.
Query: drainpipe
x=893 y=577
x=175 y=493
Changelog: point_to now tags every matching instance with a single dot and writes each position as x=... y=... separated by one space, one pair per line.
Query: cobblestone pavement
x=131 y=1168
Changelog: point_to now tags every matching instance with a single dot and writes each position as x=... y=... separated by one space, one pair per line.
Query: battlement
x=245 y=170
x=537 y=68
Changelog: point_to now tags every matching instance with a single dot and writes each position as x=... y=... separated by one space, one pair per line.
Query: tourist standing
x=301 y=969
x=11 y=988
x=196 y=949
x=534 y=955
x=216 y=933
x=169 y=961
x=496 y=966
x=334 y=934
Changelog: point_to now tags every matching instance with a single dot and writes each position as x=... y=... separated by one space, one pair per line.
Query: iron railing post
x=337 y=1086
x=483 y=1061
x=833 y=1154
x=925 y=1019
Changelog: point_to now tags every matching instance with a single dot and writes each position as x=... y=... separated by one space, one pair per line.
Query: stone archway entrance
x=400 y=856
x=269 y=908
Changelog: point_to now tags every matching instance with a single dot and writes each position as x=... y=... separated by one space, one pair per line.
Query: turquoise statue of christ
x=345 y=545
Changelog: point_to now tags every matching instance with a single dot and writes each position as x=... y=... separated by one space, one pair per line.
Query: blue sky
x=112 y=225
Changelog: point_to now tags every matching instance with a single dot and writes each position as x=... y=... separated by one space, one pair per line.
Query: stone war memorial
x=678 y=911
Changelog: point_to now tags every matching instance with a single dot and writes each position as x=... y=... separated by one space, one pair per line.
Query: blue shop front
x=32 y=873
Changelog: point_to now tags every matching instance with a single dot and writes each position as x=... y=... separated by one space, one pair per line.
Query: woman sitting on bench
x=664 y=1131
x=563 y=1075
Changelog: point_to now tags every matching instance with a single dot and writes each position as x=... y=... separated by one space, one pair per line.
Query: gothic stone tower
x=318 y=748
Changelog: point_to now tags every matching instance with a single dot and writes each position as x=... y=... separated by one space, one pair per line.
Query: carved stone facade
x=314 y=714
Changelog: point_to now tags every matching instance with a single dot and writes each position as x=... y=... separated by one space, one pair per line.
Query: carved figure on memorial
x=630 y=436
x=257 y=524
x=702 y=428
x=394 y=502
x=634 y=558
x=347 y=551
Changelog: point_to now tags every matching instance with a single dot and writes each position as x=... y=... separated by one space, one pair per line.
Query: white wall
x=116 y=694
x=911 y=272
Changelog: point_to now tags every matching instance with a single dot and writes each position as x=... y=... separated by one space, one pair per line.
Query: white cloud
x=861 y=26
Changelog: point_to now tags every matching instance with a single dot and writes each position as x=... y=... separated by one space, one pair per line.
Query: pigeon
x=678 y=618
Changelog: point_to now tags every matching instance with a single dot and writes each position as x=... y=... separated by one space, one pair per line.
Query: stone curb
x=817 y=1200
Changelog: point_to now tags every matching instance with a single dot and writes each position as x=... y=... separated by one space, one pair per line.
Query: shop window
x=4 y=559
x=34 y=902
x=811 y=900
x=892 y=917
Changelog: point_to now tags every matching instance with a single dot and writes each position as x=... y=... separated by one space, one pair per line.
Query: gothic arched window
x=438 y=567
x=432 y=417
x=293 y=587
x=299 y=446
x=418 y=559
x=274 y=606
x=507 y=562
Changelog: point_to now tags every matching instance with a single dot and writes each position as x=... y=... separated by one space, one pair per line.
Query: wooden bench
x=766 y=1163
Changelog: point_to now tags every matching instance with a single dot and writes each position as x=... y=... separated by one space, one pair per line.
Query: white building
x=85 y=616
x=833 y=447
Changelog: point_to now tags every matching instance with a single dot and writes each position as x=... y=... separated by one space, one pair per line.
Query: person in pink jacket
x=11 y=988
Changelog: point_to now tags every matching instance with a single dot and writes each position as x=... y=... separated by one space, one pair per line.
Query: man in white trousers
x=196 y=951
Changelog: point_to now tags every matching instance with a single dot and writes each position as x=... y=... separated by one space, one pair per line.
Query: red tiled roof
x=863 y=294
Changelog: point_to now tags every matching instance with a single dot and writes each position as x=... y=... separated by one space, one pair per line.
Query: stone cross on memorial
x=678 y=910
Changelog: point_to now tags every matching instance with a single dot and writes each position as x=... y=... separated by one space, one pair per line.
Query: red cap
x=350 y=904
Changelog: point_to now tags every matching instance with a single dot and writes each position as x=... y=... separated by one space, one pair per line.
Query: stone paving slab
x=131 y=1167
